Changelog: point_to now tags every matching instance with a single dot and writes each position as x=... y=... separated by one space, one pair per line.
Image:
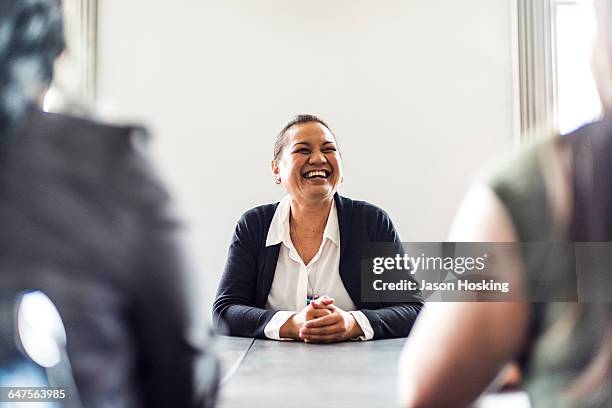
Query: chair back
x=33 y=350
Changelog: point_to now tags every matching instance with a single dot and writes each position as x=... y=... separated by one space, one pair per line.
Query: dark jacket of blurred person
x=83 y=218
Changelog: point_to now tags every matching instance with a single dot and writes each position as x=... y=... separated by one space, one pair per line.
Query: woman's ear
x=276 y=172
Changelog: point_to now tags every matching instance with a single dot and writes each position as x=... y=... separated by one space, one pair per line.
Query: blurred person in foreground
x=83 y=219
x=283 y=256
x=557 y=190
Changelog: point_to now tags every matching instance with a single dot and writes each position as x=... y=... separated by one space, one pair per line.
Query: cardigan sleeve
x=391 y=319
x=234 y=310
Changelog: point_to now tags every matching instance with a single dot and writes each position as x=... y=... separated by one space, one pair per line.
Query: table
x=269 y=374
x=294 y=374
x=231 y=352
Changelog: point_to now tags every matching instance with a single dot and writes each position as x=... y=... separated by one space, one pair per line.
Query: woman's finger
x=323 y=302
x=336 y=328
x=313 y=313
x=320 y=312
x=323 y=321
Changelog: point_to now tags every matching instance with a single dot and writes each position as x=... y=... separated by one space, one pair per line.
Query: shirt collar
x=279 y=227
x=280 y=222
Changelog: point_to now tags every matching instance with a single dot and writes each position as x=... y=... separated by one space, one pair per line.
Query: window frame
x=74 y=88
x=536 y=60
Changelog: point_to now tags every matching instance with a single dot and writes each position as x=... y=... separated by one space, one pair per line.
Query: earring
x=341 y=179
x=277 y=180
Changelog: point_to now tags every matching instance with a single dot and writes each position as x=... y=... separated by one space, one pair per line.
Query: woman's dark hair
x=31 y=38
x=281 y=138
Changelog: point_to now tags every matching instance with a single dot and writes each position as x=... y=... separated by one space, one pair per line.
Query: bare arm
x=456 y=349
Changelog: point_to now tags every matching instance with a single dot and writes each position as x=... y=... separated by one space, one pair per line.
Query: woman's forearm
x=241 y=320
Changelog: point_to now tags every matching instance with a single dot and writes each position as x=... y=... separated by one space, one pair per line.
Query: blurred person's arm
x=456 y=349
x=175 y=366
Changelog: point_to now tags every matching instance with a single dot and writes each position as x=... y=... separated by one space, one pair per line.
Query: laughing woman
x=293 y=268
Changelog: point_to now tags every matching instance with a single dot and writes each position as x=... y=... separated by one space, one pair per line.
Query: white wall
x=419 y=92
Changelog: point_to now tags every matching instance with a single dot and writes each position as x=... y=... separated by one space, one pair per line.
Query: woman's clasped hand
x=321 y=322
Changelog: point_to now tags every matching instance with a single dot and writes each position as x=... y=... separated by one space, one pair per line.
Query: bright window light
x=577 y=98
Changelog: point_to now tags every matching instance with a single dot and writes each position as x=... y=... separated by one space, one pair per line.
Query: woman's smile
x=316 y=174
x=316 y=177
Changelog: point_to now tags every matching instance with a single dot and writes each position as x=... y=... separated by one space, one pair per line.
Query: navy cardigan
x=250 y=267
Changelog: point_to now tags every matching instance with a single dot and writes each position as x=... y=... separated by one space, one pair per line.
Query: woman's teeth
x=315 y=173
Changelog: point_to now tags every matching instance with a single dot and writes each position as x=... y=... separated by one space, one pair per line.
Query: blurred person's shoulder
x=88 y=137
x=536 y=156
x=104 y=170
x=57 y=147
x=522 y=169
x=536 y=183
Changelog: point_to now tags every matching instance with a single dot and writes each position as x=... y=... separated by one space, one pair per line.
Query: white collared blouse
x=294 y=281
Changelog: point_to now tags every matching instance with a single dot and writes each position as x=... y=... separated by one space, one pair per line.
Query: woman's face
x=309 y=166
